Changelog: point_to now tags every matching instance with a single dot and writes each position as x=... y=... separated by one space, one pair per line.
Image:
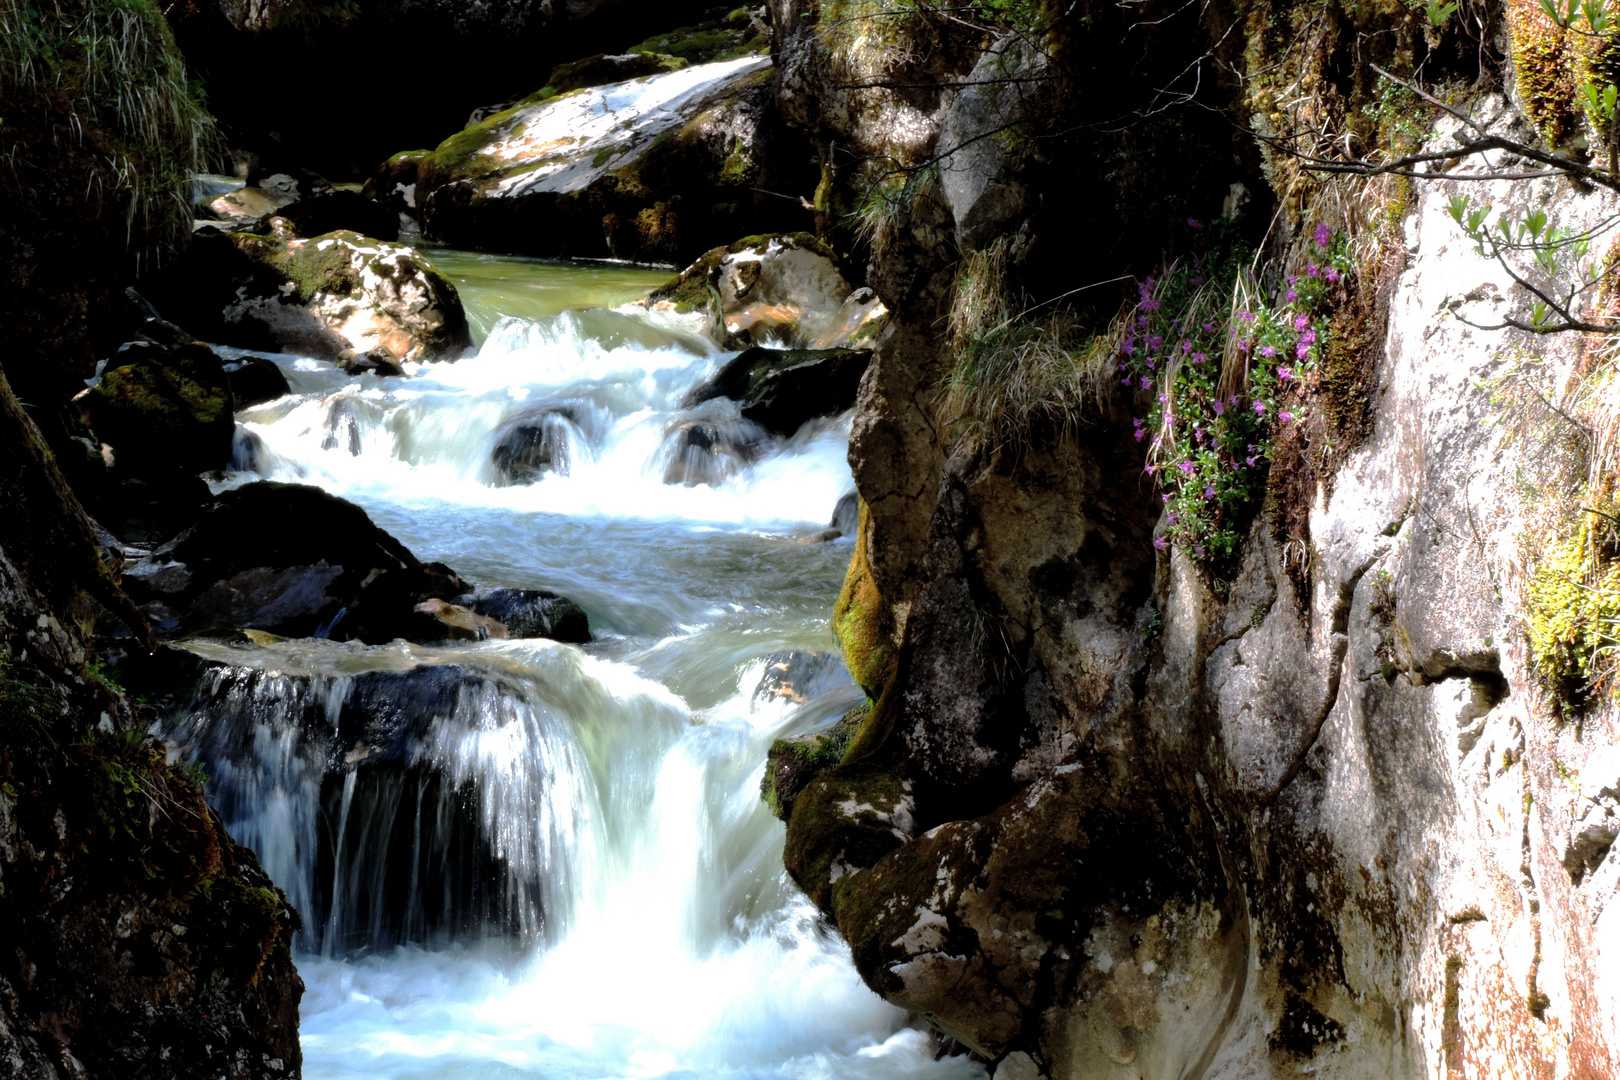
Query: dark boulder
x=388 y=607
x=279 y=557
x=255 y=380
x=334 y=210
x=779 y=389
x=535 y=613
x=164 y=406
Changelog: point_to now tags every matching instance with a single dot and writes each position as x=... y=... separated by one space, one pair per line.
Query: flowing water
x=565 y=869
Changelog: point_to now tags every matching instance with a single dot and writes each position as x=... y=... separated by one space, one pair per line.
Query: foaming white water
x=619 y=375
x=617 y=786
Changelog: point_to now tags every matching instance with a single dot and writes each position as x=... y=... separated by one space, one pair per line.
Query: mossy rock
x=861 y=620
x=165 y=406
x=844 y=820
x=791 y=764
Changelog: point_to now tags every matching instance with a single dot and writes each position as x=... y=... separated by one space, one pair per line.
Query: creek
x=626 y=913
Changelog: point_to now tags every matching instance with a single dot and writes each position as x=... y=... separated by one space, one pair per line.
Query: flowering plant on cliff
x=1217 y=371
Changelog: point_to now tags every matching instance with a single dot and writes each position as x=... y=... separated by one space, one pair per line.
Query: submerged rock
x=709 y=444
x=534 y=444
x=780 y=389
x=317 y=297
x=164 y=406
x=655 y=169
x=784 y=290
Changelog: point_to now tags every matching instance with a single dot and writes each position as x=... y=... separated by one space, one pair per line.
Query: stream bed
x=649 y=928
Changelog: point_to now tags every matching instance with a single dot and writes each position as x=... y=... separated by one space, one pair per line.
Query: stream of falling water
x=617 y=784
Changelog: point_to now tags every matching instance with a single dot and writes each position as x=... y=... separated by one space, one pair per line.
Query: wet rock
x=342 y=427
x=458 y=623
x=534 y=444
x=288 y=559
x=845 y=520
x=657 y=169
x=708 y=445
x=780 y=389
x=784 y=290
x=797 y=676
x=255 y=380
x=317 y=297
x=164 y=407
x=535 y=613
x=378 y=361
x=409 y=602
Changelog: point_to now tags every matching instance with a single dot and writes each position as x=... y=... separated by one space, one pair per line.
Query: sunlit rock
x=318 y=296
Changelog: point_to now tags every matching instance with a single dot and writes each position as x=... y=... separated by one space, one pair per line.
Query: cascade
x=526 y=858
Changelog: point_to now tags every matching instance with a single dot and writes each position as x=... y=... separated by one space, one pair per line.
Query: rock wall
x=1114 y=812
x=141 y=940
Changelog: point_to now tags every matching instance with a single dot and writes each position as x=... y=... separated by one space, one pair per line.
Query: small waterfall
x=446 y=802
x=524 y=858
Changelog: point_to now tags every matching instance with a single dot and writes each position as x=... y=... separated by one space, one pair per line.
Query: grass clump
x=129 y=105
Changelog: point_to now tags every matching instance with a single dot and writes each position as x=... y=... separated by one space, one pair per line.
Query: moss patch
x=1544 y=62
x=1573 y=603
x=861 y=621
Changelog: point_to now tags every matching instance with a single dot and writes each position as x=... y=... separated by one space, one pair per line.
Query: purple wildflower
x=1198 y=549
x=1246 y=316
x=1260 y=408
x=1323 y=235
x=1209 y=492
x=1159 y=542
x=1186 y=466
x=1194 y=223
x=1285 y=374
x=1313 y=270
x=1140 y=434
x=1285 y=416
x=1129 y=348
x=1186 y=346
x=1250 y=460
x=1199 y=357
x=1303 y=351
x=1302 y=322
x=1165 y=497
x=1292 y=296
x=1333 y=275
x=1220 y=407
x=1146 y=382
x=1170 y=518
x=1155 y=341
x=1267 y=351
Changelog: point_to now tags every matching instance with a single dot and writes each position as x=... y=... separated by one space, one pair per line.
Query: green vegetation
x=860 y=620
x=1573 y=604
x=129 y=105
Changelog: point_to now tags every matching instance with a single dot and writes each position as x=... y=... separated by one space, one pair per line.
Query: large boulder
x=655 y=169
x=780 y=389
x=394 y=185
x=784 y=290
x=164 y=406
x=317 y=297
x=285 y=558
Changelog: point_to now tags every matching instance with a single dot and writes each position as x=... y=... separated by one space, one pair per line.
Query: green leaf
x=1536 y=220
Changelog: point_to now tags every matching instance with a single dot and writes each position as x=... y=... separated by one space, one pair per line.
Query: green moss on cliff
x=1573 y=604
x=1544 y=62
x=861 y=619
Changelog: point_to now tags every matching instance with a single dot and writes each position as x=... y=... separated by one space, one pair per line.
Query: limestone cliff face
x=1115 y=812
